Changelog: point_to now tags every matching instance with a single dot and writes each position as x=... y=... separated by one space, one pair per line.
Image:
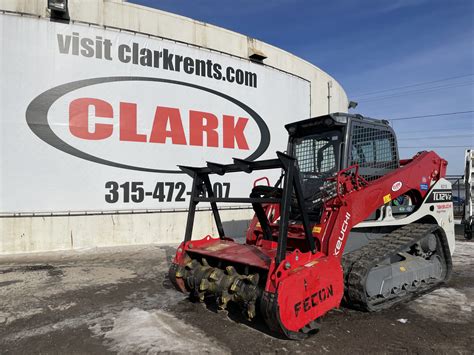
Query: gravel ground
x=118 y=300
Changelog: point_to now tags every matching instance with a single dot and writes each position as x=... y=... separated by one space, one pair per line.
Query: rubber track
x=357 y=265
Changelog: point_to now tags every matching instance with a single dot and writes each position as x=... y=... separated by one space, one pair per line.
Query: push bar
x=202 y=192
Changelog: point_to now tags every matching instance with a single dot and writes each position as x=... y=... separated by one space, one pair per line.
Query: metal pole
x=192 y=209
x=215 y=210
x=459 y=195
x=329 y=96
x=304 y=216
x=285 y=212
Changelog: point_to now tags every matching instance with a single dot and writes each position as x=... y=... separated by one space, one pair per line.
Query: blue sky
x=370 y=46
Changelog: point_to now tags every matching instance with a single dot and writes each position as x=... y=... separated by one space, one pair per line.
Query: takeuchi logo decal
x=168 y=127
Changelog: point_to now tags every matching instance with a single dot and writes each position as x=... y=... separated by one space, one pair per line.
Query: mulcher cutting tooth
x=190 y=265
x=230 y=270
x=235 y=285
x=214 y=276
x=201 y=296
x=253 y=279
x=204 y=285
x=251 y=311
x=224 y=299
x=179 y=272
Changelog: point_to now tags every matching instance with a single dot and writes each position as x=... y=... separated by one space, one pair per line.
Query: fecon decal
x=313 y=300
x=94 y=119
x=342 y=233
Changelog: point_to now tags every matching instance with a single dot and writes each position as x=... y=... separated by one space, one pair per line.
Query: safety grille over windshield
x=317 y=154
x=374 y=150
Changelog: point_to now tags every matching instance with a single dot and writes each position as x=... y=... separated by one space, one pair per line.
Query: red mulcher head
x=292 y=287
x=291 y=296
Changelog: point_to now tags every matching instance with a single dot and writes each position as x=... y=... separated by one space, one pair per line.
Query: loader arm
x=356 y=198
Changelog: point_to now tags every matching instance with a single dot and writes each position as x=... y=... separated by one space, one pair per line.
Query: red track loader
x=347 y=221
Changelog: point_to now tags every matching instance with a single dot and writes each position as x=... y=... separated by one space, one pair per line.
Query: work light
x=57 y=5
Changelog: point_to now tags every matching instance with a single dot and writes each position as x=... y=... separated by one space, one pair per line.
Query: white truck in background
x=468 y=218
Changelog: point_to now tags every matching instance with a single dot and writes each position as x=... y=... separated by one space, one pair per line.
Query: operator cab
x=326 y=144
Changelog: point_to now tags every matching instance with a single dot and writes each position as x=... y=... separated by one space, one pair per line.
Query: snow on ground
x=448 y=304
x=152 y=332
x=92 y=320
x=445 y=305
x=463 y=258
x=142 y=320
x=37 y=286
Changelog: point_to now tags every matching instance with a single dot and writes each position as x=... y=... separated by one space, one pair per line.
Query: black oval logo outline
x=37 y=119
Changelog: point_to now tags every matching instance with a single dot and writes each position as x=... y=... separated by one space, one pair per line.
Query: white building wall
x=46 y=233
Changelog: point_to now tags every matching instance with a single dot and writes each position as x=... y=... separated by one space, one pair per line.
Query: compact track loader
x=348 y=221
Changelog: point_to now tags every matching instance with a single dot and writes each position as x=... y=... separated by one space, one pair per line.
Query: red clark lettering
x=204 y=127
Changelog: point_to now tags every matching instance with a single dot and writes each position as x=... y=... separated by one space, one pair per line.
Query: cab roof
x=328 y=122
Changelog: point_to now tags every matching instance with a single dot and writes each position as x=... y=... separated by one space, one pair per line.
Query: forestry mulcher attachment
x=346 y=222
